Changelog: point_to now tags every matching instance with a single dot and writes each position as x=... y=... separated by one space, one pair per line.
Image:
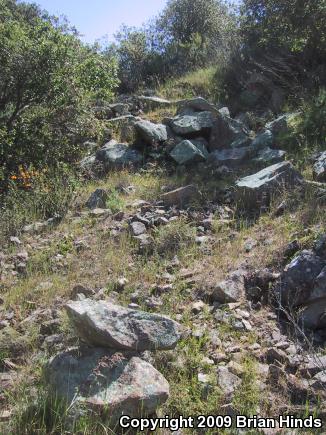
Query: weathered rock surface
x=261 y=186
x=269 y=156
x=279 y=125
x=181 y=196
x=188 y=125
x=227 y=132
x=231 y=157
x=189 y=152
x=230 y=290
x=298 y=279
x=263 y=140
x=109 y=383
x=319 y=169
x=197 y=104
x=97 y=199
x=115 y=327
x=151 y=133
x=137 y=228
x=227 y=381
x=118 y=154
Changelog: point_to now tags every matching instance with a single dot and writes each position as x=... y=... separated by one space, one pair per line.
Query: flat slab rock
x=269 y=180
x=192 y=124
x=319 y=169
x=104 y=324
x=110 y=383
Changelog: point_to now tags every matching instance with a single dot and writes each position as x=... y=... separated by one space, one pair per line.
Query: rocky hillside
x=188 y=278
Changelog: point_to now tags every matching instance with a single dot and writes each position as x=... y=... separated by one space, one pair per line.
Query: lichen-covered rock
x=270 y=156
x=188 y=125
x=151 y=133
x=263 y=140
x=107 y=325
x=118 y=154
x=258 y=188
x=109 y=383
x=189 y=152
x=227 y=132
x=231 y=157
x=298 y=280
x=230 y=290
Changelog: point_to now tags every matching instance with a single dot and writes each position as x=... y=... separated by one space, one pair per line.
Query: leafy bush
x=48 y=80
x=188 y=34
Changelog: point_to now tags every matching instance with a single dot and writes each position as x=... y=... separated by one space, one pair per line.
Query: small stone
x=197 y=307
x=202 y=378
x=137 y=228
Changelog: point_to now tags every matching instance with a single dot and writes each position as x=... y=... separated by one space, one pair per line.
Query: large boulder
x=189 y=152
x=180 y=197
x=232 y=157
x=227 y=132
x=104 y=324
x=298 y=280
x=319 y=169
x=191 y=125
x=108 y=383
x=260 y=187
x=151 y=133
x=115 y=155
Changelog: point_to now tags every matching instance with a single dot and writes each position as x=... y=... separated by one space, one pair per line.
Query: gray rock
x=111 y=384
x=97 y=199
x=112 y=326
x=316 y=364
x=313 y=315
x=226 y=132
x=269 y=156
x=231 y=157
x=297 y=280
x=187 y=152
x=320 y=246
x=137 y=228
x=319 y=169
x=279 y=125
x=227 y=381
x=230 y=290
x=192 y=124
x=119 y=109
x=197 y=104
x=151 y=133
x=181 y=196
x=153 y=102
x=118 y=154
x=259 y=187
x=263 y=140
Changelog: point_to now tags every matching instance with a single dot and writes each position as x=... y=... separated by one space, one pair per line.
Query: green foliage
x=186 y=35
x=314 y=115
x=48 y=80
x=294 y=24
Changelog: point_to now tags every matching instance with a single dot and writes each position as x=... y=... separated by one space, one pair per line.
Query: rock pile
x=108 y=375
